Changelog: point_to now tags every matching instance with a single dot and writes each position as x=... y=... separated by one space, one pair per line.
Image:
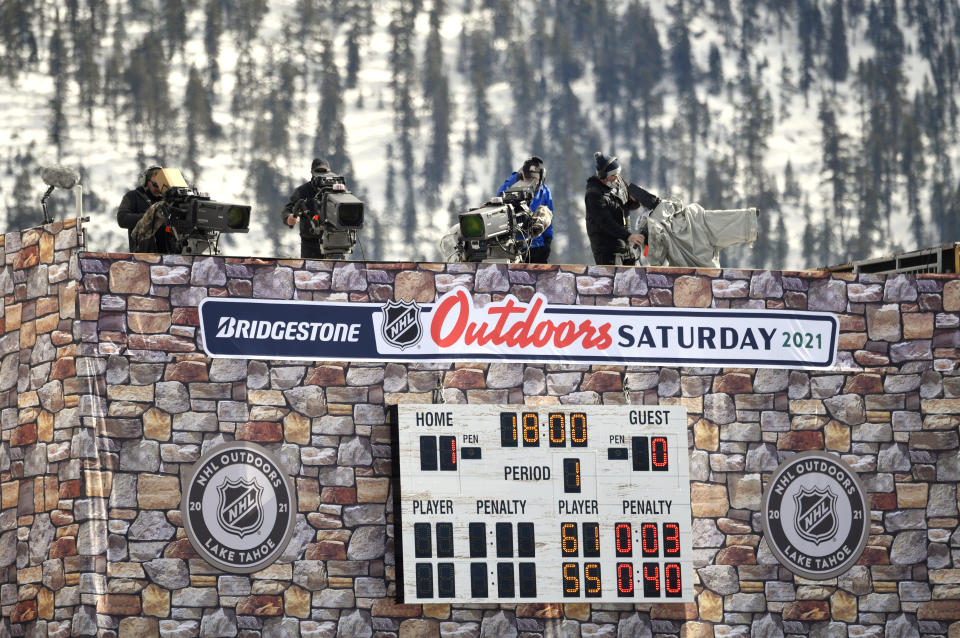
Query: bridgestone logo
x=233 y=328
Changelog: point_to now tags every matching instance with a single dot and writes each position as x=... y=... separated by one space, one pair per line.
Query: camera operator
x=534 y=169
x=309 y=241
x=133 y=206
x=608 y=205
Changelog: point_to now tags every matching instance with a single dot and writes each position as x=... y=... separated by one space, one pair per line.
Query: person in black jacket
x=608 y=214
x=309 y=242
x=134 y=204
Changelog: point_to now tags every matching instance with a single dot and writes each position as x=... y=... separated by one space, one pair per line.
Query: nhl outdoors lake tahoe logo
x=239 y=507
x=401 y=323
x=815 y=515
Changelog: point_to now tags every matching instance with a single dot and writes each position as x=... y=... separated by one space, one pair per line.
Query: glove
x=539 y=221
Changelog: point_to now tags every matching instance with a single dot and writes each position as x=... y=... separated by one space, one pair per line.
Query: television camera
x=501 y=230
x=334 y=214
x=193 y=221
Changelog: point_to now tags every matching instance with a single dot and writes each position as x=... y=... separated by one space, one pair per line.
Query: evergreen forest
x=836 y=118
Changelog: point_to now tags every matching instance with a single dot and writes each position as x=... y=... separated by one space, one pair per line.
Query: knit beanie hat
x=319 y=165
x=606 y=165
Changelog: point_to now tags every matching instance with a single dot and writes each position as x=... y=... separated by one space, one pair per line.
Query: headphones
x=147 y=174
x=529 y=163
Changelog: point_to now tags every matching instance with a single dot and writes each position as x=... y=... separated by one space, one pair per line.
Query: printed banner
x=455 y=329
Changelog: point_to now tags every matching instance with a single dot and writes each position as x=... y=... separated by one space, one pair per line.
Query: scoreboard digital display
x=513 y=503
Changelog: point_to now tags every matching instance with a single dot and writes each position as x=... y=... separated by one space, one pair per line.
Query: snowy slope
x=111 y=160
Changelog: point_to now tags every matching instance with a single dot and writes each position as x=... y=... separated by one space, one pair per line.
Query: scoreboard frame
x=508 y=503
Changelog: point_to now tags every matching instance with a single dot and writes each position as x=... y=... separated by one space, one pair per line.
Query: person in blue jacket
x=533 y=168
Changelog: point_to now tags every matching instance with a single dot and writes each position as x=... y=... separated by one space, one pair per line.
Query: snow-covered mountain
x=836 y=117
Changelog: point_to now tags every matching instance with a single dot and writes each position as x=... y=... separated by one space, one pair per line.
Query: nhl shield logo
x=816 y=518
x=401 y=324
x=240 y=510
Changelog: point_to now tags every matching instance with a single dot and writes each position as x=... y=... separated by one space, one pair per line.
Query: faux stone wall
x=46 y=564
x=93 y=453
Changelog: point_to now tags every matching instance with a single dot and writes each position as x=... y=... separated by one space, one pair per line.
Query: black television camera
x=196 y=221
x=186 y=221
x=334 y=214
x=501 y=230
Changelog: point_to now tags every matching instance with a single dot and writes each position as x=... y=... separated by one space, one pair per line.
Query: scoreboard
x=513 y=503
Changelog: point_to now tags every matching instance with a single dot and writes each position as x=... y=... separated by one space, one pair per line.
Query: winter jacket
x=134 y=204
x=608 y=216
x=303 y=191
x=541 y=198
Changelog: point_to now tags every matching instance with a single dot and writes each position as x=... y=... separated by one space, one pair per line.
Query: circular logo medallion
x=815 y=515
x=239 y=507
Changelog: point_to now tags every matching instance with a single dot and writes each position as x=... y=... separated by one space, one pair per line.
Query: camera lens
x=471 y=226
x=238 y=217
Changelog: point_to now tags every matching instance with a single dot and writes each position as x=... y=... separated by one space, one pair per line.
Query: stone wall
x=108 y=399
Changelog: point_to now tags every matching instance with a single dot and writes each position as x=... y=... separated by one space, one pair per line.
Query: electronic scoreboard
x=507 y=503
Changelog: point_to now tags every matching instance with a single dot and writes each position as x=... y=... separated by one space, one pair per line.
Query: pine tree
x=390 y=190
x=281 y=106
x=212 y=30
x=436 y=90
x=839 y=62
x=244 y=88
x=402 y=82
x=199 y=117
x=146 y=76
x=353 y=58
x=810 y=29
x=18 y=44
x=567 y=134
x=754 y=125
x=23 y=211
x=791 y=187
x=503 y=162
x=836 y=167
x=270 y=193
x=246 y=18
x=681 y=56
x=58 y=59
x=913 y=166
x=113 y=81
x=175 y=25
x=331 y=139
x=88 y=71
x=643 y=56
x=780 y=258
x=718 y=183
x=481 y=67
x=715 y=73
x=526 y=104
x=882 y=85
x=608 y=76
x=787 y=87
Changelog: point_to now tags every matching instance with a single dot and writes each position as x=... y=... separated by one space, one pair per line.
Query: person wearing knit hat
x=319 y=166
x=309 y=242
x=608 y=214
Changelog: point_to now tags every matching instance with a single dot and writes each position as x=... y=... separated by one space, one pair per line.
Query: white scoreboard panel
x=507 y=503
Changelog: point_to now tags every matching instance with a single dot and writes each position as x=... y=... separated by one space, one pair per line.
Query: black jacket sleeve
x=603 y=218
x=131 y=208
x=300 y=192
x=642 y=196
